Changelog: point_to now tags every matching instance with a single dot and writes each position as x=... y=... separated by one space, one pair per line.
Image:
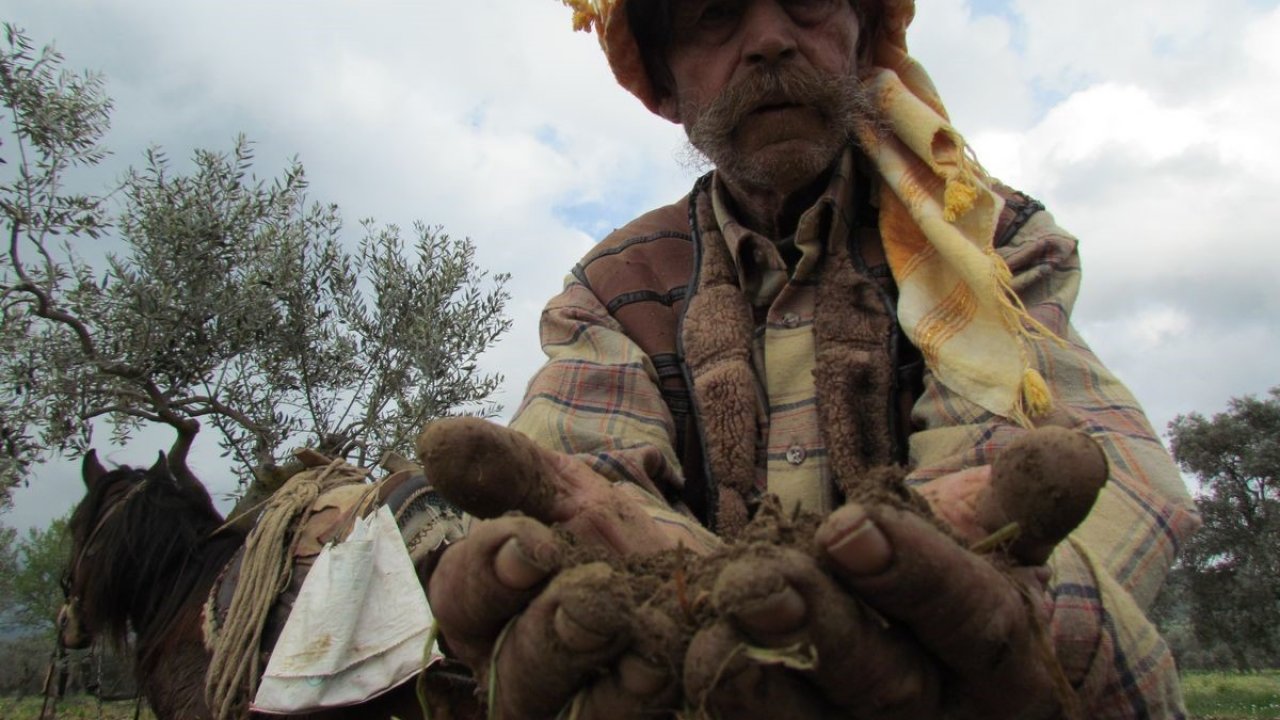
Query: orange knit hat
x=609 y=20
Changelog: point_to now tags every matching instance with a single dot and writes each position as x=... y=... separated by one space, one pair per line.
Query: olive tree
x=216 y=299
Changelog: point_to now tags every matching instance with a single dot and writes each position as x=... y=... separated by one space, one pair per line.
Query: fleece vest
x=668 y=280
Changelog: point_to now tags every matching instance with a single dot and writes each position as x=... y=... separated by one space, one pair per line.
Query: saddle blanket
x=359 y=626
x=352 y=621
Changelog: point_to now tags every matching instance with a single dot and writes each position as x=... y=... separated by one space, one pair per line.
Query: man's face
x=766 y=89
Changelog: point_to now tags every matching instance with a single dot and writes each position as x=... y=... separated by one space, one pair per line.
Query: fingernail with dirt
x=515 y=568
x=641 y=678
x=576 y=636
x=779 y=612
x=762 y=603
x=854 y=542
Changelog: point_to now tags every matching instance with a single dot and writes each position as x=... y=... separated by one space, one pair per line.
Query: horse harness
x=71 y=602
x=56 y=677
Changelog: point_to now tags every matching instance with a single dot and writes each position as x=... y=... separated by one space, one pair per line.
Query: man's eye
x=713 y=12
x=707 y=23
x=715 y=15
x=810 y=11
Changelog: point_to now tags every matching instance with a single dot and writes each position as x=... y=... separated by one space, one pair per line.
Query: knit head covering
x=938 y=216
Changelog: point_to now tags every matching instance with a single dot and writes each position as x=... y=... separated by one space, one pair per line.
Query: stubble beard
x=841 y=101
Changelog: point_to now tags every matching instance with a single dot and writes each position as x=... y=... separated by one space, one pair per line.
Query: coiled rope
x=236 y=664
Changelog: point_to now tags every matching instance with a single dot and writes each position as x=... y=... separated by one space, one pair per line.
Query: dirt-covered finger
x=724 y=677
x=981 y=624
x=485 y=579
x=1047 y=482
x=567 y=639
x=1040 y=488
x=645 y=680
x=487 y=470
x=795 y=615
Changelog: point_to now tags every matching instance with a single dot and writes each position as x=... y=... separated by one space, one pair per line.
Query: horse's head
x=130 y=524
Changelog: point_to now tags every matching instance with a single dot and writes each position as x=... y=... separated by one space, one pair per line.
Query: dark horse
x=146 y=549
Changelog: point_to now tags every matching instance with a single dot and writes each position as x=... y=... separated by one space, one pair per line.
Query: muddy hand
x=791 y=637
x=544 y=637
x=898 y=622
x=551 y=637
x=958 y=617
x=981 y=628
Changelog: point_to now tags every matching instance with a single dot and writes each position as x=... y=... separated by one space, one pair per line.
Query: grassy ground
x=79 y=707
x=1210 y=696
x=1231 y=696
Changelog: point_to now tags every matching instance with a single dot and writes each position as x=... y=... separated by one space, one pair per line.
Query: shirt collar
x=762 y=272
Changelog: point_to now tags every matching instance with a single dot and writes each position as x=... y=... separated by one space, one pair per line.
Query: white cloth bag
x=358 y=628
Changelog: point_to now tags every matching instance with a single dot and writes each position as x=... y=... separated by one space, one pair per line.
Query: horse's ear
x=91 y=469
x=182 y=474
x=161 y=466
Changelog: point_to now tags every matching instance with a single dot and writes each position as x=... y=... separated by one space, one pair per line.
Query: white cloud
x=1154 y=327
x=1161 y=156
x=1176 y=46
x=975 y=65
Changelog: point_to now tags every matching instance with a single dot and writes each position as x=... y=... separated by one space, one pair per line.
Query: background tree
x=1232 y=565
x=8 y=568
x=231 y=302
x=32 y=595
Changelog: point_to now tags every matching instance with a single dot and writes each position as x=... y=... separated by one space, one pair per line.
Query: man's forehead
x=683 y=6
x=667 y=9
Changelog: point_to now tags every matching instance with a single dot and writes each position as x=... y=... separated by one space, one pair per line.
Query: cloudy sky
x=1146 y=126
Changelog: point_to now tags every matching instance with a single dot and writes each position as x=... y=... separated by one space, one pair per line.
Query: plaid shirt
x=602 y=396
x=780 y=282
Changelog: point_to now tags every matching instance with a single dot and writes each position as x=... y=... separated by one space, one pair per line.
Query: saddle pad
x=426 y=525
x=359 y=627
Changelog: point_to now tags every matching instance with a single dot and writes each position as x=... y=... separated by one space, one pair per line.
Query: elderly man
x=848 y=289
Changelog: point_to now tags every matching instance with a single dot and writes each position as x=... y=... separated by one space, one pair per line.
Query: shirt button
x=791 y=320
x=795 y=454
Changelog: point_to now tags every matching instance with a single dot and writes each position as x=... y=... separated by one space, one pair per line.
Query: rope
x=95 y=659
x=52 y=679
x=236 y=662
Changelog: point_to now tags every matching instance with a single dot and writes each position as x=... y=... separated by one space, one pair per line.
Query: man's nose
x=768 y=33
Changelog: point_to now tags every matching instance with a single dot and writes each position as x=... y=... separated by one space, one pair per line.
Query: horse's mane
x=147 y=558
